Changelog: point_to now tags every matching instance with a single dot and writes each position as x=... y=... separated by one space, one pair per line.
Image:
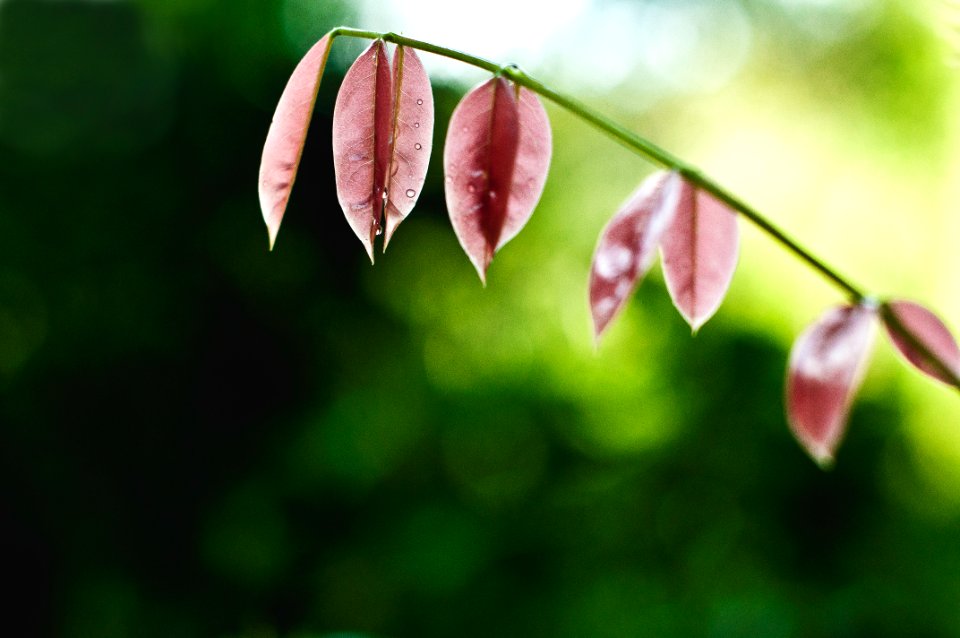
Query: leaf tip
x=821 y=451
x=597 y=336
x=481 y=264
x=392 y=222
x=272 y=231
x=824 y=459
x=693 y=320
x=368 y=246
x=601 y=322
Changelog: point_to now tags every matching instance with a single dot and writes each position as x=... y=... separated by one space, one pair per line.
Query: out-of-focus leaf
x=926 y=328
x=628 y=245
x=825 y=370
x=495 y=160
x=700 y=250
x=287 y=134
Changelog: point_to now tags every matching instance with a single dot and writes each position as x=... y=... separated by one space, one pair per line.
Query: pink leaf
x=628 y=245
x=700 y=250
x=287 y=134
x=931 y=333
x=826 y=367
x=495 y=160
x=361 y=141
x=412 y=135
x=382 y=136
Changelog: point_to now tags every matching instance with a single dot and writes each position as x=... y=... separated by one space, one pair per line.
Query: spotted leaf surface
x=287 y=134
x=628 y=245
x=826 y=368
x=495 y=161
x=361 y=142
x=700 y=250
x=935 y=337
x=382 y=137
x=412 y=138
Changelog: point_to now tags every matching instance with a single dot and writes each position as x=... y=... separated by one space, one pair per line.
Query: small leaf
x=412 y=135
x=361 y=141
x=930 y=332
x=699 y=250
x=825 y=370
x=287 y=134
x=495 y=161
x=628 y=245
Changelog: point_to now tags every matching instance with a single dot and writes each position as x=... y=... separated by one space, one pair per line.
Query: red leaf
x=927 y=328
x=700 y=250
x=495 y=160
x=361 y=141
x=826 y=367
x=628 y=244
x=412 y=135
x=381 y=145
x=287 y=134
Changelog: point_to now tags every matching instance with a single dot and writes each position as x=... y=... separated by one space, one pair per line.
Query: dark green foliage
x=200 y=438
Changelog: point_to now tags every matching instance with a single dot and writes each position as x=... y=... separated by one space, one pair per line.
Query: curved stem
x=667 y=159
x=629 y=139
x=659 y=155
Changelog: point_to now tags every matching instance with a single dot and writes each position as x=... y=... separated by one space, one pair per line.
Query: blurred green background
x=202 y=438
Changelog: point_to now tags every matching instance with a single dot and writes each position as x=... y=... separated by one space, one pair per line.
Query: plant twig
x=666 y=159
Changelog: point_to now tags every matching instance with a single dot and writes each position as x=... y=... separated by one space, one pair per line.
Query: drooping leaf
x=825 y=370
x=287 y=134
x=700 y=250
x=628 y=245
x=382 y=136
x=931 y=333
x=495 y=161
x=412 y=138
x=361 y=141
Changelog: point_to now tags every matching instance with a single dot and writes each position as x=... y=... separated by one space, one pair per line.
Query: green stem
x=663 y=157
x=667 y=159
x=629 y=139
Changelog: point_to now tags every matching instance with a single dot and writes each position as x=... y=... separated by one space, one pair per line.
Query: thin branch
x=666 y=159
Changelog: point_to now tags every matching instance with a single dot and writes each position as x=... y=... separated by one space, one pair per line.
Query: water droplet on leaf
x=418 y=146
x=419 y=102
x=411 y=192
